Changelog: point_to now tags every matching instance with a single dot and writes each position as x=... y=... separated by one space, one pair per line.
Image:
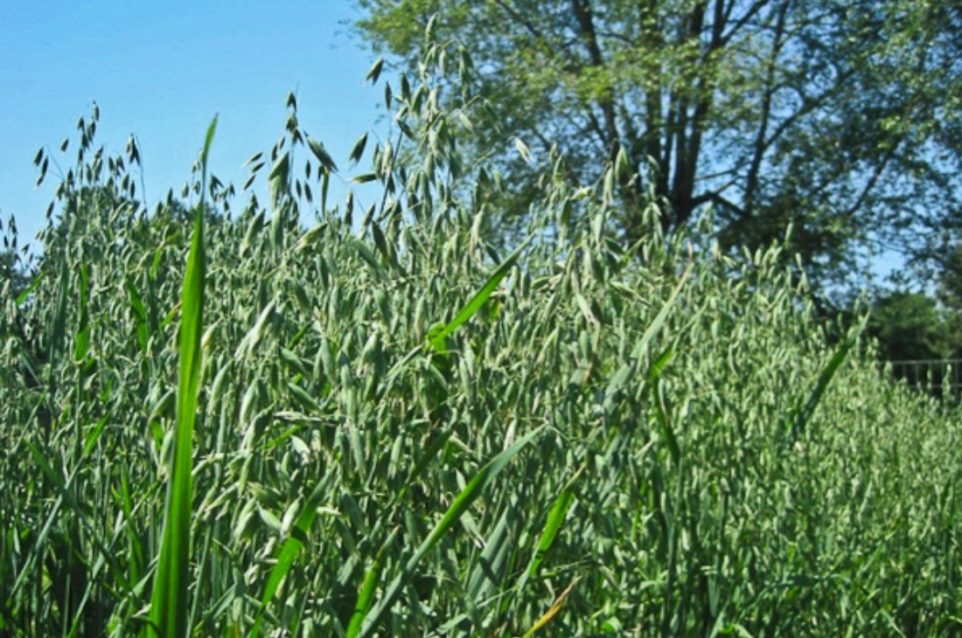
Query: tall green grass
x=169 y=602
x=405 y=429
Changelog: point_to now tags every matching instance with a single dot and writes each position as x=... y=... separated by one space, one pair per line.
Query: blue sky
x=162 y=70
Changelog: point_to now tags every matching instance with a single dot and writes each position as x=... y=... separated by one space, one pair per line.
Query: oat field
x=301 y=417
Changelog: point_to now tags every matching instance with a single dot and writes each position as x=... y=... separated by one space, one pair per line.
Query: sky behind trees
x=161 y=70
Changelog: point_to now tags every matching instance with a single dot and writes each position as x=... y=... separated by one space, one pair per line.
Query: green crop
x=168 y=610
x=295 y=420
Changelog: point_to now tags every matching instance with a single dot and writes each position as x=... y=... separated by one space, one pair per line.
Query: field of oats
x=308 y=418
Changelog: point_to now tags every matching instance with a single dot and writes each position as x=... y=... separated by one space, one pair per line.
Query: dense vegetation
x=402 y=431
x=840 y=117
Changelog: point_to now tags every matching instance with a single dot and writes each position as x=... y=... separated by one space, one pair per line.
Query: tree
x=950 y=279
x=912 y=326
x=917 y=334
x=839 y=117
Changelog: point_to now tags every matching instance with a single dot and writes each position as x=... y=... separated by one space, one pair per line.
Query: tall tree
x=840 y=117
x=913 y=326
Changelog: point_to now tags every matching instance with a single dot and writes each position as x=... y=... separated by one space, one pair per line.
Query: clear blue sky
x=162 y=70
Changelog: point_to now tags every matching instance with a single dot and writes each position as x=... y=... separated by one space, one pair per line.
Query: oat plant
x=225 y=414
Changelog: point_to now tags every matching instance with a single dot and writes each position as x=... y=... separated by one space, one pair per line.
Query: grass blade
x=803 y=413
x=461 y=503
x=288 y=552
x=438 y=334
x=366 y=594
x=29 y=290
x=556 y=517
x=82 y=339
x=662 y=315
x=169 y=601
x=552 y=611
x=63 y=488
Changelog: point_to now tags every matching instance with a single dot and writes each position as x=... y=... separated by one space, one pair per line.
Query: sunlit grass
x=170 y=598
x=338 y=422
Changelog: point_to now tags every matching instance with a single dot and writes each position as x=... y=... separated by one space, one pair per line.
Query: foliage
x=11 y=274
x=950 y=279
x=14 y=269
x=645 y=440
x=912 y=326
x=840 y=118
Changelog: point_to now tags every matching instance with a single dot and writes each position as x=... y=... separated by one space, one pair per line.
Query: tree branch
x=751 y=180
x=583 y=13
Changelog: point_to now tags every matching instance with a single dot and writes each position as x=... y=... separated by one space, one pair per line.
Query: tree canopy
x=839 y=117
x=911 y=326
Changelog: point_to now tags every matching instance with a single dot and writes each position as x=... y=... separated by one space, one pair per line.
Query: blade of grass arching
x=461 y=503
x=288 y=552
x=653 y=390
x=489 y=565
x=552 y=611
x=440 y=332
x=804 y=412
x=659 y=319
x=29 y=290
x=169 y=605
x=556 y=516
x=365 y=594
x=659 y=364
